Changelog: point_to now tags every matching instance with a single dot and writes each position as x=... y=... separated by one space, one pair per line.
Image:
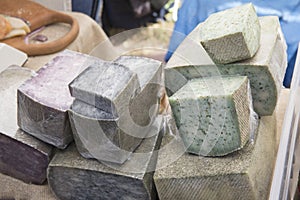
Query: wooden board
x=37 y=16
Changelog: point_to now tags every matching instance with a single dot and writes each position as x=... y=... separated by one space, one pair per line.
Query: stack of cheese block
x=211 y=102
x=114 y=105
x=111 y=111
x=18 y=150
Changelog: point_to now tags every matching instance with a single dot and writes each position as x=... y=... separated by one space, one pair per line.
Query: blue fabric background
x=192 y=12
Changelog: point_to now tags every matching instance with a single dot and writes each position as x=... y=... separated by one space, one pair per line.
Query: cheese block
x=144 y=107
x=213 y=114
x=98 y=135
x=231 y=35
x=43 y=100
x=89 y=179
x=265 y=70
x=245 y=174
x=117 y=134
x=18 y=150
x=107 y=86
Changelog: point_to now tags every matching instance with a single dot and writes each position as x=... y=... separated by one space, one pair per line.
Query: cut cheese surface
x=213 y=114
x=231 y=35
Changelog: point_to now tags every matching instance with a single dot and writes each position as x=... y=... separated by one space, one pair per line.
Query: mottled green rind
x=245 y=174
x=73 y=177
x=231 y=35
x=265 y=70
x=213 y=110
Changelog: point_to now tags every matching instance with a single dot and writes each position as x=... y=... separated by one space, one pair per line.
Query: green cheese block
x=73 y=177
x=231 y=35
x=265 y=70
x=213 y=114
x=245 y=174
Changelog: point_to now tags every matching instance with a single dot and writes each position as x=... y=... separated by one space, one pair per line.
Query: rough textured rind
x=21 y=156
x=245 y=174
x=116 y=134
x=149 y=72
x=231 y=35
x=107 y=86
x=43 y=101
x=265 y=70
x=89 y=179
x=97 y=134
x=213 y=114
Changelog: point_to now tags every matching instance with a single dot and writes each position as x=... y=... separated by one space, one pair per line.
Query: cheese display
x=204 y=129
x=43 y=100
x=131 y=180
x=18 y=150
x=115 y=120
x=265 y=70
x=245 y=174
x=231 y=35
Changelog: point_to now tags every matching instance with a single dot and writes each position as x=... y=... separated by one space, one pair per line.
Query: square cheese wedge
x=231 y=35
x=213 y=114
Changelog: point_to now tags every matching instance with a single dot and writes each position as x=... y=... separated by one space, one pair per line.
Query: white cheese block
x=213 y=114
x=246 y=174
x=231 y=35
x=265 y=70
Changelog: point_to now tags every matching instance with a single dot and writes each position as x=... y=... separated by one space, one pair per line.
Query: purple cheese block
x=21 y=155
x=43 y=101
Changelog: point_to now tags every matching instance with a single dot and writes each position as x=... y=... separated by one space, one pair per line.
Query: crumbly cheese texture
x=265 y=70
x=213 y=114
x=231 y=35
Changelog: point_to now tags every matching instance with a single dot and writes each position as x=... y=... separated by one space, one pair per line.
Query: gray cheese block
x=231 y=35
x=43 y=101
x=144 y=107
x=90 y=179
x=213 y=114
x=107 y=86
x=21 y=155
x=246 y=174
x=117 y=135
x=265 y=70
x=97 y=134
